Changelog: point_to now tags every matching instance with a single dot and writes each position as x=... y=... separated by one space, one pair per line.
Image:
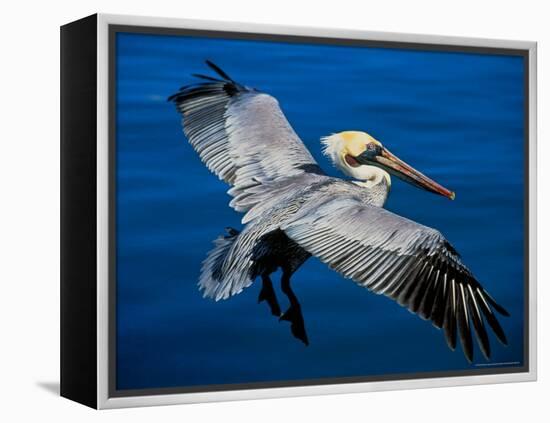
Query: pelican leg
x=294 y=312
x=267 y=294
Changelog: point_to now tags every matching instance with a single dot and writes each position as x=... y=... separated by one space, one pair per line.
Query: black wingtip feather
x=479 y=328
x=495 y=325
x=449 y=321
x=463 y=325
x=496 y=305
x=426 y=304
x=219 y=71
x=208 y=78
x=209 y=86
x=438 y=309
x=421 y=287
x=173 y=97
x=491 y=319
x=408 y=286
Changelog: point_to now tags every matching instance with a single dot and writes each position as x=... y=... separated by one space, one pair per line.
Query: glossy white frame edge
x=103 y=400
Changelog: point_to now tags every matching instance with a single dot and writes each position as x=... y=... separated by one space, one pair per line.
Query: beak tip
x=452 y=196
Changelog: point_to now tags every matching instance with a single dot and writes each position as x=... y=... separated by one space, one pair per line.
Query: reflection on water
x=456 y=117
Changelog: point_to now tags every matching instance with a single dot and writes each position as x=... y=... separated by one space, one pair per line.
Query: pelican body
x=293 y=210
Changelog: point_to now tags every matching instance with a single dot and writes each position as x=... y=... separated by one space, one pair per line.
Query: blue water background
x=456 y=117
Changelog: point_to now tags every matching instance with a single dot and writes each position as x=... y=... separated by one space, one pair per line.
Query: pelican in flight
x=293 y=210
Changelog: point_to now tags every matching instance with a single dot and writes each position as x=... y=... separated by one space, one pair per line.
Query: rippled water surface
x=456 y=117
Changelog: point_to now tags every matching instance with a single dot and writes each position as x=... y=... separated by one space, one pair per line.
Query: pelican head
x=362 y=157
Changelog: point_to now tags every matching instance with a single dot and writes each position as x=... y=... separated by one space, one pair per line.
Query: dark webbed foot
x=296 y=319
x=267 y=294
x=294 y=312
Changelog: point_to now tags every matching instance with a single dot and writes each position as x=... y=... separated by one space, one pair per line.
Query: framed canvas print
x=256 y=211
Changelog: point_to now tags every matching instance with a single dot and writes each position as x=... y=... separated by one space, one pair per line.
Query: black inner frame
x=488 y=370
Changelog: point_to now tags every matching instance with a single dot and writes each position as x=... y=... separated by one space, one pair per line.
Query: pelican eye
x=372 y=146
x=372 y=150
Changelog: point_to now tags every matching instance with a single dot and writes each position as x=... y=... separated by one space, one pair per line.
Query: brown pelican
x=293 y=210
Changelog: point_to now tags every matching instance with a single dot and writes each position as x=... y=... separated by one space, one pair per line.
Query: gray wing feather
x=410 y=263
x=242 y=136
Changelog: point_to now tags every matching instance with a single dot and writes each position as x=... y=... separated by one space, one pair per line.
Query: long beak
x=402 y=170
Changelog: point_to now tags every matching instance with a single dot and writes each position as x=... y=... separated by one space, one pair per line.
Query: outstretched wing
x=410 y=263
x=240 y=134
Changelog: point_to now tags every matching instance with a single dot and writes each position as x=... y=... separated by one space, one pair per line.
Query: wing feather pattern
x=410 y=263
x=241 y=135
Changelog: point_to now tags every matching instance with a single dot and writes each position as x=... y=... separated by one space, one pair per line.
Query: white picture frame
x=100 y=387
